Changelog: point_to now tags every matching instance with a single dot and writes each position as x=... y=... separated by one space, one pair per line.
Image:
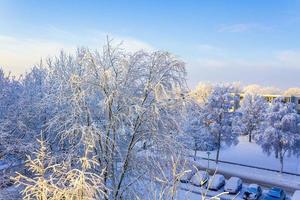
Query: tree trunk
x=195 y=155
x=218 y=154
x=250 y=137
x=105 y=191
x=281 y=162
x=218 y=148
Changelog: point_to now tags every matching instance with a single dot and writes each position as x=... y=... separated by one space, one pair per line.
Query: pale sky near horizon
x=247 y=41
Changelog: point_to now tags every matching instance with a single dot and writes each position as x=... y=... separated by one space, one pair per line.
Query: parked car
x=216 y=182
x=253 y=192
x=200 y=178
x=275 y=194
x=233 y=185
x=186 y=178
x=296 y=195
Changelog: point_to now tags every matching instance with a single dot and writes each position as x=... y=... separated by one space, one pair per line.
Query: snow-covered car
x=233 y=185
x=275 y=194
x=187 y=176
x=253 y=192
x=296 y=195
x=200 y=178
x=216 y=182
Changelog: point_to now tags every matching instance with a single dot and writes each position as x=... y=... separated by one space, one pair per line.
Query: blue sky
x=248 y=41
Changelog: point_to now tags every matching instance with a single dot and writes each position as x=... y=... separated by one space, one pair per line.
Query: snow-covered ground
x=10 y=193
x=251 y=154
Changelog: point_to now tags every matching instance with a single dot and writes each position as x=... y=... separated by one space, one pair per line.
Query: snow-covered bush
x=51 y=180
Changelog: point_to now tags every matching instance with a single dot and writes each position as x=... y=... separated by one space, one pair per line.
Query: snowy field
x=251 y=154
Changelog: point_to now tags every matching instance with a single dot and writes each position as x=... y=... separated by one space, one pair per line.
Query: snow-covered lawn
x=251 y=154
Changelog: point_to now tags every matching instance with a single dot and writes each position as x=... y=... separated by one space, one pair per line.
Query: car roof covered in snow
x=296 y=195
x=218 y=177
x=202 y=173
x=232 y=182
x=199 y=177
x=253 y=185
x=233 y=179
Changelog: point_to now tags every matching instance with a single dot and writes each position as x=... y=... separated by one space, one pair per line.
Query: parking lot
x=189 y=190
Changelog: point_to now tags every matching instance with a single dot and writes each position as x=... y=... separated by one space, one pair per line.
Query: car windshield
x=252 y=190
x=274 y=194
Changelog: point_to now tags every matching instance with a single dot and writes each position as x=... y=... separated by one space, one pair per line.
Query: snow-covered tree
x=258 y=89
x=197 y=136
x=253 y=108
x=281 y=132
x=125 y=105
x=292 y=92
x=202 y=92
x=23 y=115
x=217 y=115
x=139 y=92
x=11 y=128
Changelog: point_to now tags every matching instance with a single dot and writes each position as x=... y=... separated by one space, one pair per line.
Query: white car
x=233 y=185
x=216 y=182
x=296 y=195
x=200 y=178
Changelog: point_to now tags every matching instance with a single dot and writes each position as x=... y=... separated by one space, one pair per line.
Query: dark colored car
x=253 y=192
x=275 y=194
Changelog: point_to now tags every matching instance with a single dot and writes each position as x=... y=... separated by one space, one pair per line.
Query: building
x=270 y=97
